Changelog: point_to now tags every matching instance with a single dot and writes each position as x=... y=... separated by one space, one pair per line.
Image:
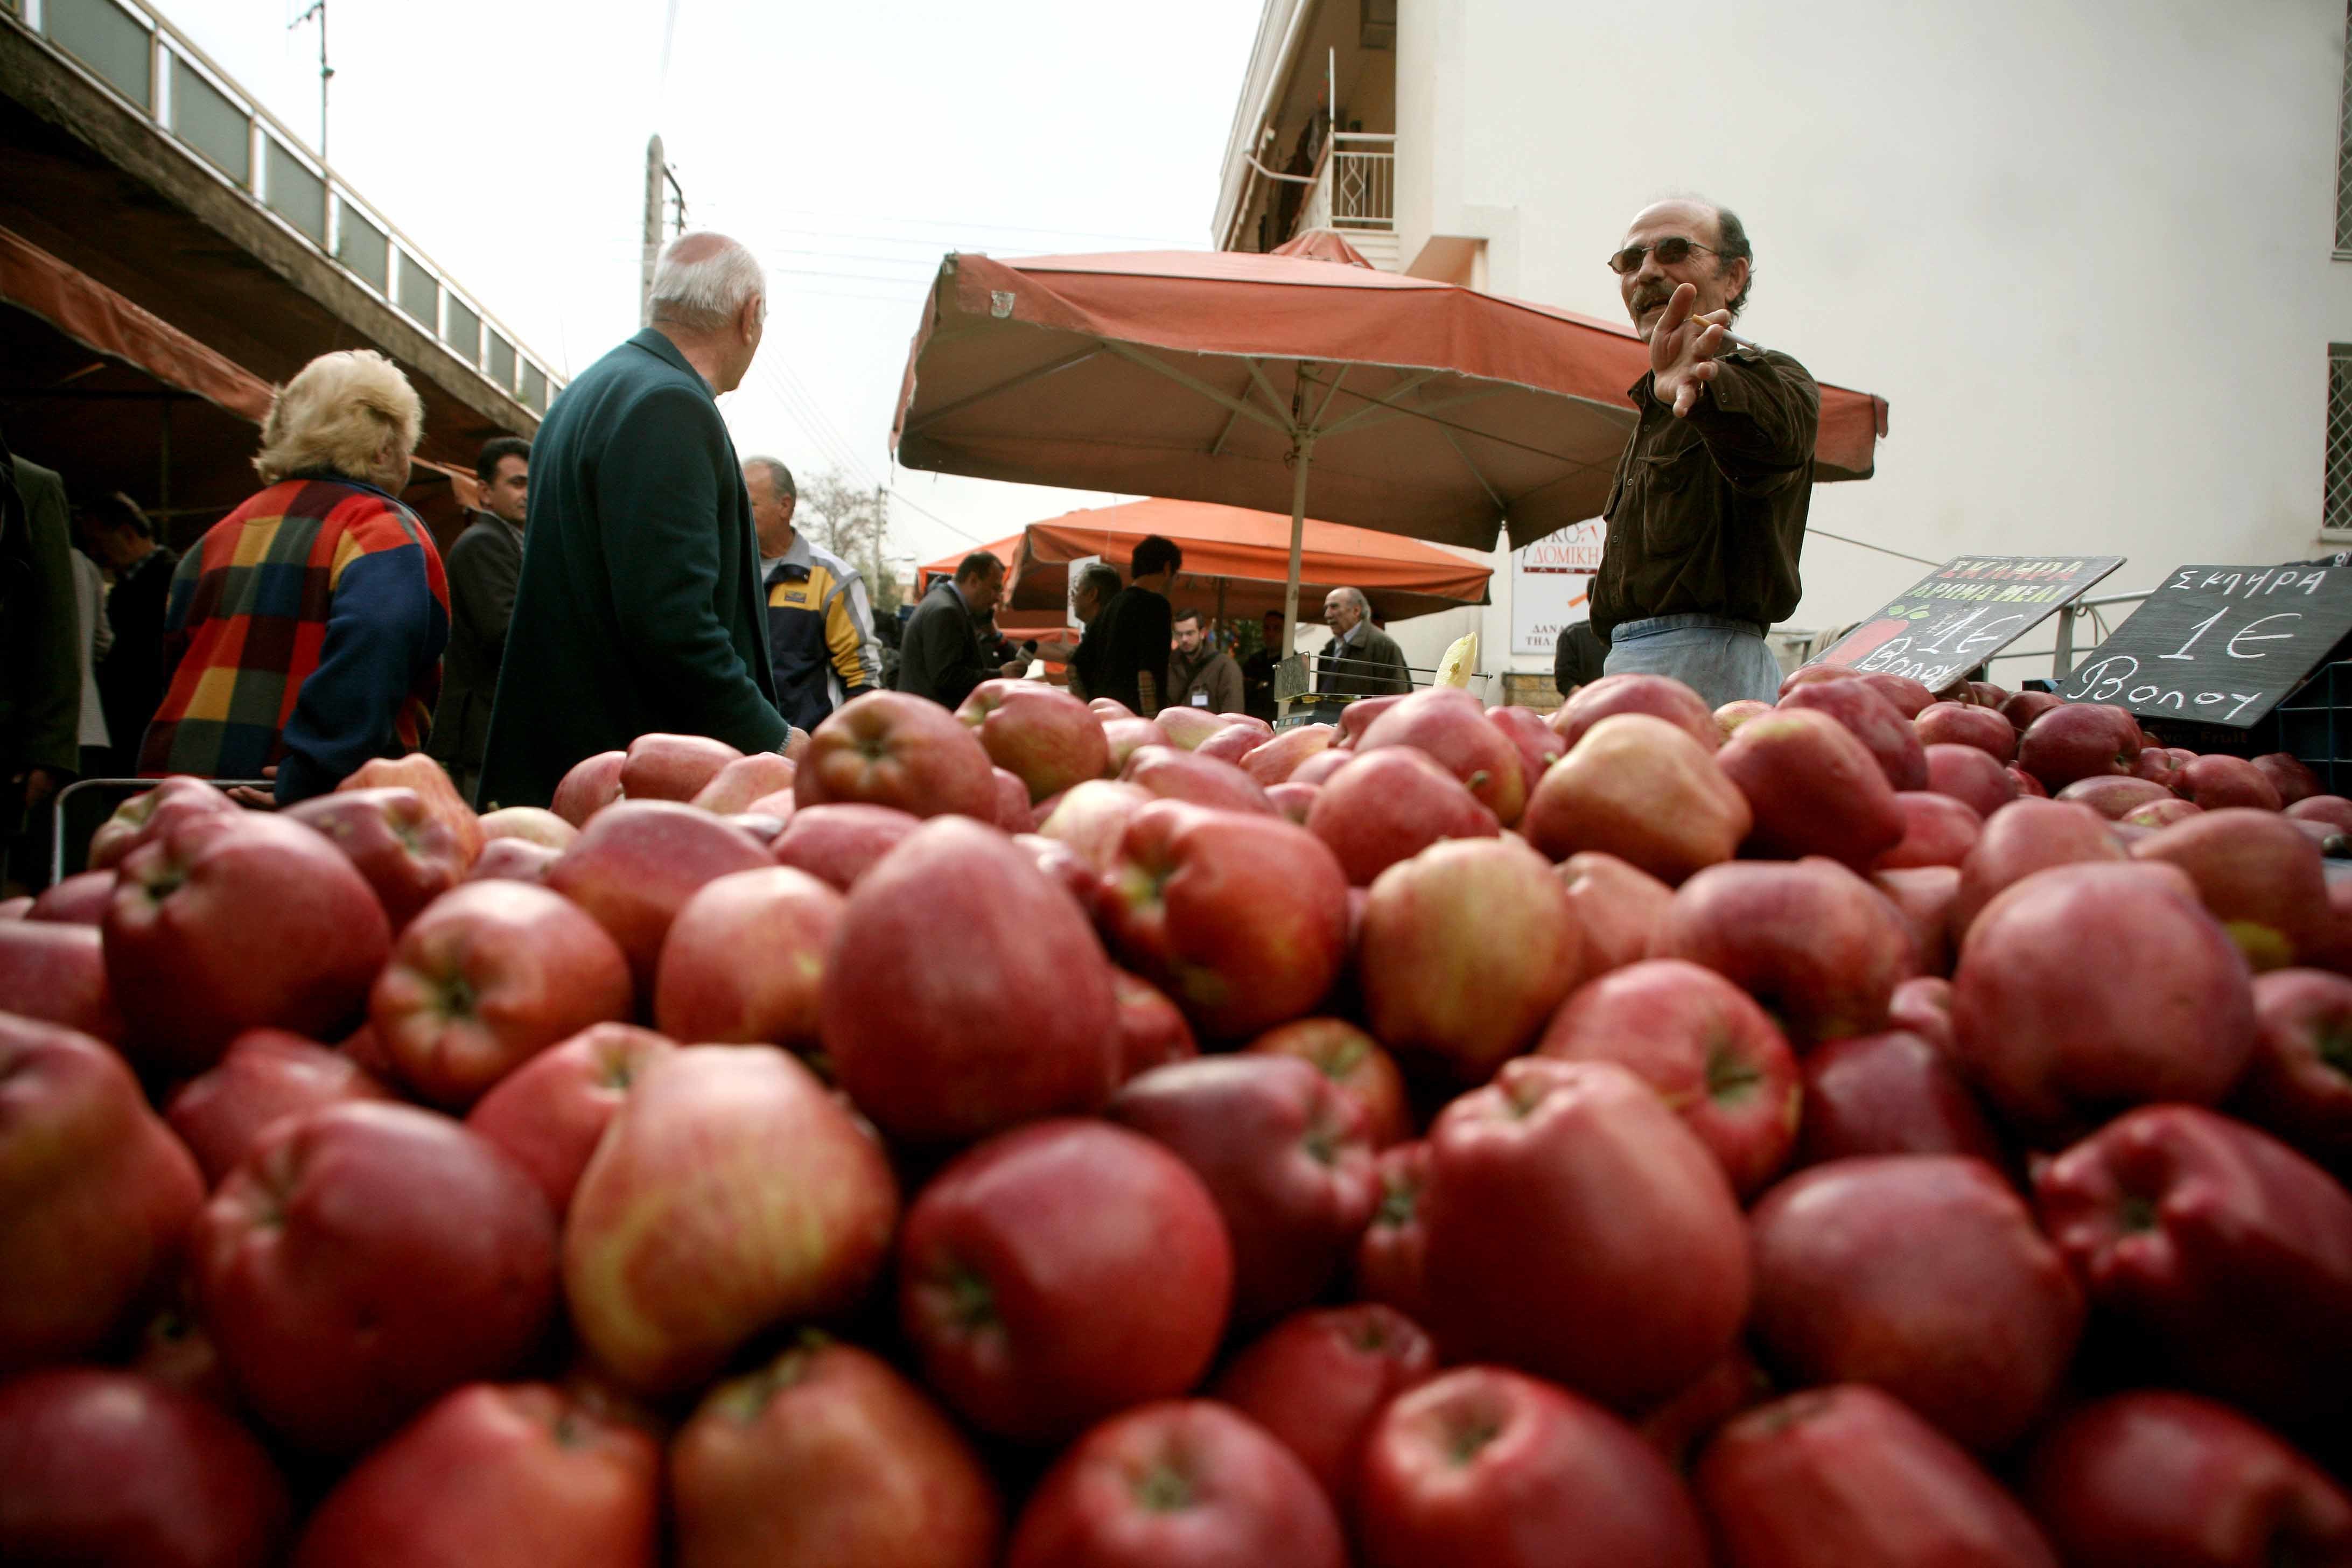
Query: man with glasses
x=1706 y=518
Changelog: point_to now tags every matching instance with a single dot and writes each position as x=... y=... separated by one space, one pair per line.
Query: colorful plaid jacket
x=306 y=631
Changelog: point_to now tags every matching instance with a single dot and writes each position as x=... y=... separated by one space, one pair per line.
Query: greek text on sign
x=2222 y=645
x=1965 y=611
x=1552 y=585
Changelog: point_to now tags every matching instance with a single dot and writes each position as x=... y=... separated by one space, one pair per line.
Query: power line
x=1866 y=544
x=960 y=533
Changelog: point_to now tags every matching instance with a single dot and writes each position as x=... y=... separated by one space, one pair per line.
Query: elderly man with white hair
x=639 y=608
x=303 y=635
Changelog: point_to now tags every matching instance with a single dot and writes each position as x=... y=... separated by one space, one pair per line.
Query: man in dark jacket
x=119 y=537
x=638 y=609
x=939 y=655
x=483 y=566
x=1201 y=674
x=40 y=679
x=1138 y=630
x=1707 y=517
x=1361 y=661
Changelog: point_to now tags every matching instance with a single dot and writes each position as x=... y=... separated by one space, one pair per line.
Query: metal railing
x=2062 y=661
x=1355 y=183
x=137 y=56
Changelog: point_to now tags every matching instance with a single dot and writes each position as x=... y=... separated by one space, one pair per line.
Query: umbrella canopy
x=1422 y=408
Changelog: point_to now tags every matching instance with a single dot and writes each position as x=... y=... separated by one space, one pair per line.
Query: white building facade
x=2096 y=254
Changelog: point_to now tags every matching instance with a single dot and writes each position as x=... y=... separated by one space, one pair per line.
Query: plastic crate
x=2314 y=726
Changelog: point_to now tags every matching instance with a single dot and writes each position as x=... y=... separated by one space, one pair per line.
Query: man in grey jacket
x=1361 y=661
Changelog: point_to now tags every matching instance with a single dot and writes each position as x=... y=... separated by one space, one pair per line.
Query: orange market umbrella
x=1419 y=408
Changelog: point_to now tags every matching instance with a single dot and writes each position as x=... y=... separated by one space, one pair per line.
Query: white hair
x=1352 y=597
x=702 y=281
x=338 y=412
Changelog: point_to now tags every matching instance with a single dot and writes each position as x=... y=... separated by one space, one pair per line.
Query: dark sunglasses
x=1672 y=249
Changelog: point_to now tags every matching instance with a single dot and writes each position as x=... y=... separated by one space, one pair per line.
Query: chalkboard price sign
x=1968 y=610
x=2220 y=645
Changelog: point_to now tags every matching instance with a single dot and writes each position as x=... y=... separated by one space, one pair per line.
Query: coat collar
x=656 y=343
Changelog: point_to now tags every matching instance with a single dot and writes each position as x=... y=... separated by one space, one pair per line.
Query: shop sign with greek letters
x=2220 y=645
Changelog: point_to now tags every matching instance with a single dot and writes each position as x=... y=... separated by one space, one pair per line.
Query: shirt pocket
x=1675 y=497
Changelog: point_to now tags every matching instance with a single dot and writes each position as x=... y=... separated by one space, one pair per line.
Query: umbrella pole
x=1302 y=450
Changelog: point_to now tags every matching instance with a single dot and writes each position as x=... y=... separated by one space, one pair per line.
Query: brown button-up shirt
x=1708 y=512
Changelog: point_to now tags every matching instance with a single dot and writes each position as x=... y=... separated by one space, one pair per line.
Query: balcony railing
x=148 y=64
x=1355 y=185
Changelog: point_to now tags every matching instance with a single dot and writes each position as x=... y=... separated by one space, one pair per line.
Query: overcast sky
x=852 y=146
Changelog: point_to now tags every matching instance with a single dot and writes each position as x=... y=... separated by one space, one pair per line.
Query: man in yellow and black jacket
x=820 y=624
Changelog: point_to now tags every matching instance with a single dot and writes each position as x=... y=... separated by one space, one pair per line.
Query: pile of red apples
x=1865 y=1131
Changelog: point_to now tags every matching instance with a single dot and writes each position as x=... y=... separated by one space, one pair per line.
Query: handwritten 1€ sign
x=1963 y=614
x=2220 y=645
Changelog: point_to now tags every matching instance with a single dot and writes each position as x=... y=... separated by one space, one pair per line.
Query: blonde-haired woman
x=304 y=632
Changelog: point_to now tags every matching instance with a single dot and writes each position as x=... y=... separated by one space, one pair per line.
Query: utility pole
x=326 y=72
x=661 y=180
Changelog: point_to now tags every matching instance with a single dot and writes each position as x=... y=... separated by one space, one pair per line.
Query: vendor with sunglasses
x=1707 y=517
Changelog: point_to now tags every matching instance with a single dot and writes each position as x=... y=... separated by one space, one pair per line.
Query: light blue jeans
x=1722 y=661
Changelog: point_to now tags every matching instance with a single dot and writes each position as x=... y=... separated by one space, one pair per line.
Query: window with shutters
x=2335 y=506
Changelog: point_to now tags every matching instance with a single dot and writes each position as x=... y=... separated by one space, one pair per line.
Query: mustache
x=1646 y=297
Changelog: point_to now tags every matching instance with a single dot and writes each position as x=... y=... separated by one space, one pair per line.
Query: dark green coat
x=638 y=609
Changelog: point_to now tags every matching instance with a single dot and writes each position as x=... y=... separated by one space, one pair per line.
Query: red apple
x=1710 y=1052
x=1921 y=1274
x=1320 y=768
x=2299 y=1087
x=2289 y=775
x=2258 y=874
x=1813 y=942
x=592 y=784
x=2078 y=741
x=232 y=922
x=1282 y=1150
x=1317 y=1381
x=1109 y=709
x=1272 y=762
x=2032 y=835
x=2334 y=810
x=1907 y=695
x=746 y=960
x=1890 y=1093
x=1354 y=1061
x=1296 y=801
x=1436 y=986
x=267 y=1074
x=364 y=1259
x=2162 y=813
x=637 y=863
x=1358 y=716
x=548 y=1113
x=1012 y=809
x=1092 y=820
x=513 y=861
x=673 y=767
x=965 y=992
x=488 y=976
x=839 y=844
x=79 y=899
x=1577 y=1229
x=2024 y=785
x=1045 y=737
x=105 y=1466
x=1390 y=1256
x=1640 y=788
x=1616 y=906
x=2217 y=782
x=533 y=824
x=826 y=1455
x=763 y=829
x=1845 y=1477
x=1243 y=920
x=1922 y=1006
x=1190 y=1485
x=1151 y=1028
x=1731 y=715
x=1230 y=743
x=1814 y=789
x=2087 y=989
x=2155 y=765
x=142 y=816
x=1969 y=775
x=1059 y=1272
x=1872 y=720
x=1449 y=725
x=96 y=1196
x=729 y=1194
x=54 y=971
x=2112 y=797
x=1487 y=1465
x=889 y=748
x=2024 y=708
x=515 y=1476
x=745 y=782
x=1657 y=696
x=1392 y=804
x=1189 y=728
x=1966 y=724
x=1922 y=896
x=2152 y=1477
x=2223 y=1249
x=408 y=855
x=1170 y=774
x=1540 y=745
x=1938 y=830
x=1125 y=736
